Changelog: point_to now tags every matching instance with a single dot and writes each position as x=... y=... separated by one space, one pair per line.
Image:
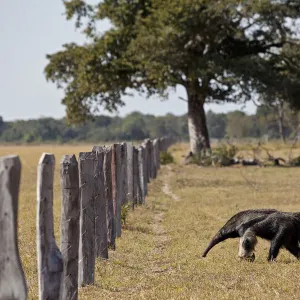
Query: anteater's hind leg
x=293 y=248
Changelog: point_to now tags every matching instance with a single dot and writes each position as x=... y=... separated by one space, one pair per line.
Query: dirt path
x=166 y=187
x=160 y=235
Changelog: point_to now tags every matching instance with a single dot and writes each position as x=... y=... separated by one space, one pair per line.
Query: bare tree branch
x=182 y=99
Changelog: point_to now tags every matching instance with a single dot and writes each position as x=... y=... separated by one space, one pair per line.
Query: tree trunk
x=281 y=130
x=280 y=122
x=198 y=132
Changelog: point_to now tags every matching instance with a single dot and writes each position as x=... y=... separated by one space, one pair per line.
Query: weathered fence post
x=110 y=216
x=69 y=238
x=159 y=148
x=153 y=165
x=123 y=181
x=116 y=179
x=50 y=263
x=146 y=144
x=136 y=180
x=154 y=158
x=135 y=176
x=12 y=279
x=129 y=175
x=156 y=151
x=150 y=159
x=100 y=206
x=87 y=172
x=141 y=154
x=145 y=163
x=163 y=144
x=168 y=142
x=156 y=146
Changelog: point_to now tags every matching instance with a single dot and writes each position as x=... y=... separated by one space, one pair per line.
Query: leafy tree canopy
x=223 y=49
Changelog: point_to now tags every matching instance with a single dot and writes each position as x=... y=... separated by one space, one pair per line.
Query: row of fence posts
x=93 y=192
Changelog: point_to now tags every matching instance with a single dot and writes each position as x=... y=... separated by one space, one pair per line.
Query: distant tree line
x=137 y=126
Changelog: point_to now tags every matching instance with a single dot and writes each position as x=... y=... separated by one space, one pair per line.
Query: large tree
x=221 y=50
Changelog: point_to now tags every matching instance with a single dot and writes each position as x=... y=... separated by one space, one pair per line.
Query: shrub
x=124 y=212
x=166 y=158
x=295 y=162
x=222 y=155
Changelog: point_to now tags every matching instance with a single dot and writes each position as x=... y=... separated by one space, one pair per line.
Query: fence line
x=93 y=193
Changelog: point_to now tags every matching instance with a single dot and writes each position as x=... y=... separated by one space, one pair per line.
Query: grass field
x=159 y=253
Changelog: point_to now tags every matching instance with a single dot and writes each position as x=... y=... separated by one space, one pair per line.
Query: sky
x=31 y=29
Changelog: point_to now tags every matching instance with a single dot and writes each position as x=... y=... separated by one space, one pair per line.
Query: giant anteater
x=238 y=224
x=281 y=228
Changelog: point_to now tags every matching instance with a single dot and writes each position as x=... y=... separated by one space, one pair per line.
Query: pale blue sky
x=31 y=29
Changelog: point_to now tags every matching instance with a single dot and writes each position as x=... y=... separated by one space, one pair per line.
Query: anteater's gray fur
x=282 y=229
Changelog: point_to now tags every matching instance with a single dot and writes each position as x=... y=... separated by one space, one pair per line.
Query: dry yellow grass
x=159 y=253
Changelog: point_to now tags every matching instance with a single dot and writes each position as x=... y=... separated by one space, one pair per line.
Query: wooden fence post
x=135 y=176
x=154 y=159
x=153 y=162
x=163 y=144
x=116 y=177
x=141 y=154
x=87 y=172
x=123 y=181
x=101 y=247
x=156 y=151
x=136 y=180
x=151 y=172
x=145 y=163
x=168 y=142
x=129 y=175
x=69 y=237
x=148 y=159
x=12 y=279
x=50 y=263
x=159 y=145
x=110 y=216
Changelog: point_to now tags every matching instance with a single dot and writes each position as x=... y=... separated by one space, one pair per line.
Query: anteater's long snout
x=216 y=240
